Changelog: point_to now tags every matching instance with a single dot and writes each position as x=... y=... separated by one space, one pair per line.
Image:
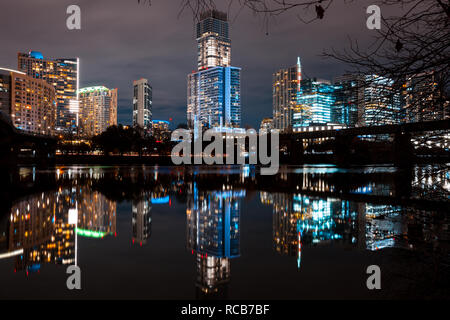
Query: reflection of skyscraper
x=141 y=221
x=96 y=213
x=299 y=220
x=40 y=230
x=213 y=235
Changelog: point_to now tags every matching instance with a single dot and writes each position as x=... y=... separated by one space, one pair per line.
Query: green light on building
x=91 y=234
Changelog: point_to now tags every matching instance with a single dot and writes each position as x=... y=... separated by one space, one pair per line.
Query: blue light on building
x=214 y=98
x=315 y=101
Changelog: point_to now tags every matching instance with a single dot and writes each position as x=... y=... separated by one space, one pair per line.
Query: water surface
x=225 y=232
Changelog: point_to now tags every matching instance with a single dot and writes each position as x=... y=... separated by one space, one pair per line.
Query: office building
x=424 y=100
x=142 y=105
x=30 y=102
x=98 y=110
x=214 y=91
x=63 y=75
x=382 y=102
x=285 y=91
x=348 y=105
x=315 y=102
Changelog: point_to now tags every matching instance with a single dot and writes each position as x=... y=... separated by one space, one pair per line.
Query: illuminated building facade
x=63 y=75
x=31 y=103
x=5 y=91
x=299 y=220
x=96 y=213
x=348 y=105
x=142 y=105
x=214 y=98
x=98 y=110
x=382 y=103
x=285 y=90
x=214 y=91
x=161 y=130
x=424 y=101
x=141 y=221
x=41 y=230
x=315 y=102
x=213 y=236
x=213 y=40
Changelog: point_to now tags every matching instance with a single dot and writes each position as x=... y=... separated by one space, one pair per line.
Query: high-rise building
x=63 y=75
x=98 y=110
x=348 y=105
x=214 y=97
x=213 y=40
x=382 y=103
x=285 y=90
x=30 y=102
x=5 y=91
x=142 y=105
x=214 y=91
x=424 y=101
x=315 y=102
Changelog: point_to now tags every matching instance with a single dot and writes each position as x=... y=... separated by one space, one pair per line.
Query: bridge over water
x=343 y=140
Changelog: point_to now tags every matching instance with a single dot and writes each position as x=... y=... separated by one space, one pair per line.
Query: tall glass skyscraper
x=382 y=103
x=315 y=101
x=63 y=75
x=214 y=91
x=214 y=43
x=285 y=90
x=348 y=105
x=142 y=105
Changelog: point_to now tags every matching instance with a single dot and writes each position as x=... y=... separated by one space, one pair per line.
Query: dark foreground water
x=225 y=232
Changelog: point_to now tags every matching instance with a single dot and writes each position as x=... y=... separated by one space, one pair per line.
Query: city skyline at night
x=236 y=158
x=169 y=54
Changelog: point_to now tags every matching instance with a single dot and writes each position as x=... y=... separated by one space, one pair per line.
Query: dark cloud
x=122 y=41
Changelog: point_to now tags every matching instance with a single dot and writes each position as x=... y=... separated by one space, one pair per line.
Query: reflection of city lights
x=11 y=254
x=162 y=200
x=73 y=216
x=91 y=234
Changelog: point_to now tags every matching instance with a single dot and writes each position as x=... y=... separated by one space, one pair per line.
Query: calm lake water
x=225 y=232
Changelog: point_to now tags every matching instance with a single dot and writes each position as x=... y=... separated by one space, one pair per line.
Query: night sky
x=121 y=41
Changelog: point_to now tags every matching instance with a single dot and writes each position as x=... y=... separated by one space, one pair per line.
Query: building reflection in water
x=141 y=220
x=299 y=220
x=213 y=237
x=45 y=228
